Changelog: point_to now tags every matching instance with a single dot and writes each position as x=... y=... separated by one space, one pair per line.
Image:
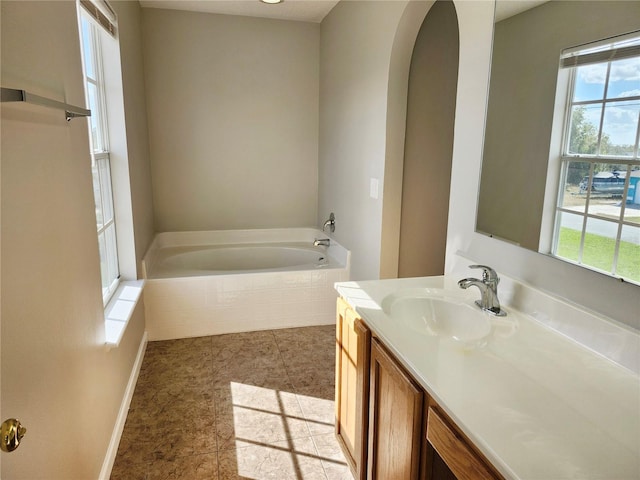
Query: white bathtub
x=209 y=283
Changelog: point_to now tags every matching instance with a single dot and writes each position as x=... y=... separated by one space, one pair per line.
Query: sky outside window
x=621 y=118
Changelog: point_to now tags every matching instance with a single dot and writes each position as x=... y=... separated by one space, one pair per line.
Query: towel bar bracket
x=16 y=95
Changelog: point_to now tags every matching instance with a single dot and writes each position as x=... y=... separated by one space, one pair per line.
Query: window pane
x=97 y=194
x=89 y=67
x=96 y=136
x=105 y=188
x=574 y=196
x=590 y=80
x=629 y=254
x=624 y=79
x=632 y=207
x=599 y=244
x=619 y=128
x=585 y=123
x=632 y=214
x=112 y=252
x=607 y=187
x=569 y=235
x=104 y=262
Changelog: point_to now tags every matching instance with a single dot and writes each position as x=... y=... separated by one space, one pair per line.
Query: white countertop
x=537 y=404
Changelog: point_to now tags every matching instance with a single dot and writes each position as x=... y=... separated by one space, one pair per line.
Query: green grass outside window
x=598 y=253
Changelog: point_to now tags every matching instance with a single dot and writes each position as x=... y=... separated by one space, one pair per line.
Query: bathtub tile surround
x=189 y=300
x=243 y=405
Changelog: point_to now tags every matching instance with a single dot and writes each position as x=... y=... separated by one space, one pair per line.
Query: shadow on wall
x=431 y=104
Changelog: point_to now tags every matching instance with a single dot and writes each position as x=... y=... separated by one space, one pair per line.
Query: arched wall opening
x=428 y=152
x=423 y=77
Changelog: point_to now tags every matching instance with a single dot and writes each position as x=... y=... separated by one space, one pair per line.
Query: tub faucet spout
x=488 y=287
x=321 y=242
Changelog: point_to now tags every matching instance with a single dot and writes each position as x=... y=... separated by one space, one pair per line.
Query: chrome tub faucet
x=331 y=223
x=322 y=242
x=488 y=287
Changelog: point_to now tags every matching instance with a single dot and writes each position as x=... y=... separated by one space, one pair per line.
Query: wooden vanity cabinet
x=353 y=340
x=387 y=425
x=395 y=420
x=448 y=455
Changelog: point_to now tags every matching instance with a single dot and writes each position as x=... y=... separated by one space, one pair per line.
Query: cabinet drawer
x=463 y=462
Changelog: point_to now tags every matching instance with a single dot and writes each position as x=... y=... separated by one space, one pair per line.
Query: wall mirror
x=538 y=113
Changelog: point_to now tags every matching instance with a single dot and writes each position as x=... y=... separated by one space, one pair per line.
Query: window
x=597 y=220
x=92 y=35
x=104 y=89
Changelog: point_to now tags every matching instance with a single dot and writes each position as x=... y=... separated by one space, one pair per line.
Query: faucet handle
x=331 y=223
x=489 y=275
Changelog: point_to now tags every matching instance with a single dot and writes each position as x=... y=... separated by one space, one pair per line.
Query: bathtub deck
x=245 y=405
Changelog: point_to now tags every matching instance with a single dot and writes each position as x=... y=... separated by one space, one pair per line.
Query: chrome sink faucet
x=488 y=287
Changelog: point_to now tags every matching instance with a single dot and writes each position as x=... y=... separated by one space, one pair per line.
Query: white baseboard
x=110 y=458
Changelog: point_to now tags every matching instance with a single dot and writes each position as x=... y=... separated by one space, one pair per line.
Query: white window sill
x=119 y=310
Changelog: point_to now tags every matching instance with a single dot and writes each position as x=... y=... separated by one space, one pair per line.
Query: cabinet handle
x=461 y=460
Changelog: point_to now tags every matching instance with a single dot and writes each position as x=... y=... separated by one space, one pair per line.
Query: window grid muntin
x=586 y=214
x=104 y=177
x=603 y=102
x=100 y=158
x=593 y=159
x=98 y=82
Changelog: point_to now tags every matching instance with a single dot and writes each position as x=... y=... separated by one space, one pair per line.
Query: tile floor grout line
x=293 y=387
x=315 y=445
x=215 y=405
x=289 y=381
x=295 y=393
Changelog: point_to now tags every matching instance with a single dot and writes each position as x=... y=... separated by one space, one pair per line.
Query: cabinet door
x=353 y=343
x=395 y=420
x=449 y=456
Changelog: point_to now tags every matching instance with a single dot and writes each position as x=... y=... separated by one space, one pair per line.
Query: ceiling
x=509 y=8
x=298 y=10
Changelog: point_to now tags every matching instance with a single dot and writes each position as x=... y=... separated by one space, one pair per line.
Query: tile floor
x=255 y=405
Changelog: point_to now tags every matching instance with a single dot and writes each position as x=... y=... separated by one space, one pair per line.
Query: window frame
x=100 y=156
x=566 y=158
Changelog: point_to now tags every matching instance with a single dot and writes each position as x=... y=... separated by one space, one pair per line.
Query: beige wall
x=399 y=67
x=57 y=376
x=356 y=43
x=516 y=151
x=428 y=144
x=233 y=120
x=135 y=108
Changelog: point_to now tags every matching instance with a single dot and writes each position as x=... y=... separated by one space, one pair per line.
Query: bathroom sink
x=438 y=313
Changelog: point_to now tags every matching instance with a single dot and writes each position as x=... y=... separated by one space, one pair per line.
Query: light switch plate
x=373 y=188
